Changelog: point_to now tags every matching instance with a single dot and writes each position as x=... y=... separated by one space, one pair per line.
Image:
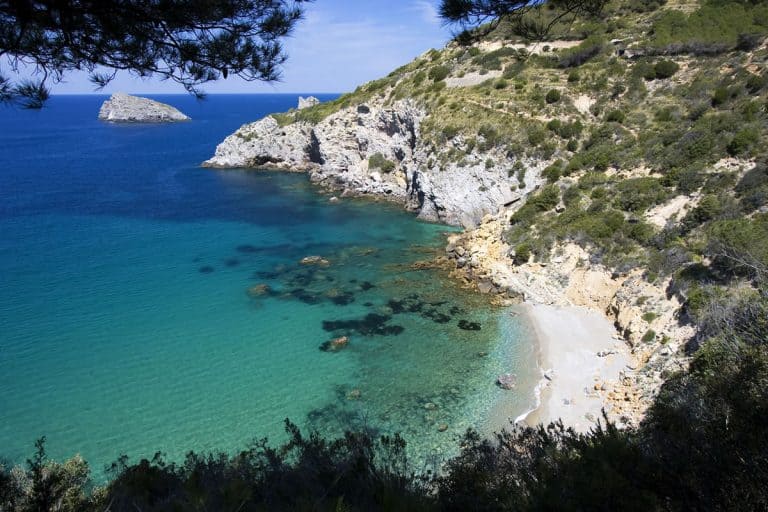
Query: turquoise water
x=150 y=305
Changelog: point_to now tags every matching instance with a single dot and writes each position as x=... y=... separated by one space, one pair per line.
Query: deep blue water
x=149 y=304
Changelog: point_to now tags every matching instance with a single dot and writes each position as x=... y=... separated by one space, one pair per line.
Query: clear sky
x=339 y=45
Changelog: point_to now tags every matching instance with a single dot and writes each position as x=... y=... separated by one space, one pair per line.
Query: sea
x=150 y=305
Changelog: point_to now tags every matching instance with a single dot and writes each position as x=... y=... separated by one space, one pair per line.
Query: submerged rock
x=507 y=381
x=371 y=324
x=335 y=344
x=315 y=260
x=469 y=326
x=259 y=290
x=124 y=108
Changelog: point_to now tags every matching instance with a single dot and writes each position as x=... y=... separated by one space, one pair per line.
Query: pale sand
x=569 y=340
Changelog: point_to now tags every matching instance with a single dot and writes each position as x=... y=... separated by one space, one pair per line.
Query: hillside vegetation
x=652 y=123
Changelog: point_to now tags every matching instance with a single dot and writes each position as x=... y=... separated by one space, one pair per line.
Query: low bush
x=439 y=73
x=377 y=161
x=522 y=253
x=720 y=96
x=553 y=171
x=743 y=141
x=637 y=194
x=582 y=53
x=553 y=96
x=615 y=116
x=665 y=69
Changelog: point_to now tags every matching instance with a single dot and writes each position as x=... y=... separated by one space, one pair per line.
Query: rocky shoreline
x=376 y=151
x=633 y=306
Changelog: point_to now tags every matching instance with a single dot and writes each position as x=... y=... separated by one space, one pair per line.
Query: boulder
x=315 y=260
x=259 y=290
x=507 y=381
x=335 y=344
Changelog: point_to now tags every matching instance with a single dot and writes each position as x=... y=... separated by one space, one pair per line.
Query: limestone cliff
x=373 y=149
x=124 y=108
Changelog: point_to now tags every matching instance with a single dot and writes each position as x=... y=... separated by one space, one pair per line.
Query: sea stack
x=124 y=108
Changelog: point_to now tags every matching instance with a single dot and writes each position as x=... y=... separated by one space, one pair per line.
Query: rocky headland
x=124 y=108
x=376 y=149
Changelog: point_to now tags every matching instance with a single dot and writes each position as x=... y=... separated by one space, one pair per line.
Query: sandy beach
x=580 y=357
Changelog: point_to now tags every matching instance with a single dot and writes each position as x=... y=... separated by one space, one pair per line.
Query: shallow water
x=148 y=304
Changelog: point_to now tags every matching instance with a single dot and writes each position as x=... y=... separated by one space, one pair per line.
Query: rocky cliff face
x=133 y=109
x=372 y=149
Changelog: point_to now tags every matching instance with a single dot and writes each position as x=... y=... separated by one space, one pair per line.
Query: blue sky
x=339 y=45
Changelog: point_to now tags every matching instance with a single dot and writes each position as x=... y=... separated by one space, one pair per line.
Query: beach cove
x=150 y=305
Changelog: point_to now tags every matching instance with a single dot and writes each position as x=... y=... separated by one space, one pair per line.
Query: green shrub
x=649 y=336
x=755 y=83
x=708 y=208
x=754 y=178
x=591 y=180
x=689 y=179
x=574 y=76
x=553 y=171
x=615 y=116
x=650 y=316
x=665 y=69
x=645 y=70
x=553 y=96
x=377 y=161
x=720 y=96
x=513 y=70
x=580 y=54
x=490 y=135
x=637 y=194
x=439 y=73
x=536 y=135
x=450 y=132
x=573 y=145
x=500 y=84
x=546 y=199
x=743 y=141
x=522 y=253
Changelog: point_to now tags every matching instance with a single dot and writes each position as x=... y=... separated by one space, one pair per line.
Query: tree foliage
x=187 y=41
x=470 y=14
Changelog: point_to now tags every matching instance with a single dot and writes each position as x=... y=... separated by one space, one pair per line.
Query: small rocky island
x=124 y=108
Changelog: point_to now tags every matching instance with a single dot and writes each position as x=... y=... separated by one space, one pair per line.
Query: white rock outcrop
x=307 y=102
x=124 y=108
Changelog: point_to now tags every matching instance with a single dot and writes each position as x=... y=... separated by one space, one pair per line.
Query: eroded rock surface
x=124 y=108
x=342 y=151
